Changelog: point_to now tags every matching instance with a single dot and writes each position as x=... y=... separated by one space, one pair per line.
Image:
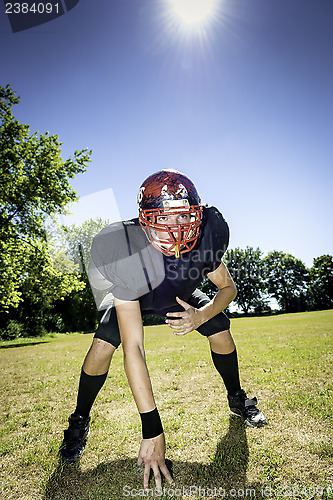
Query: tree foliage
x=78 y=311
x=286 y=280
x=77 y=240
x=245 y=267
x=33 y=176
x=321 y=283
x=35 y=182
x=208 y=287
x=41 y=288
x=278 y=276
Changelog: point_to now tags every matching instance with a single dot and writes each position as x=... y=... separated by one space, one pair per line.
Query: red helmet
x=170 y=211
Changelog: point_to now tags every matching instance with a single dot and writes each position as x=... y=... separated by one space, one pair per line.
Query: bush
x=153 y=319
x=54 y=323
x=14 y=329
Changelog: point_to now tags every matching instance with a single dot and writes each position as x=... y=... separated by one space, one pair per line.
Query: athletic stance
x=154 y=264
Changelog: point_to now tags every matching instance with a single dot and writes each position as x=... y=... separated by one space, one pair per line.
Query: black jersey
x=124 y=262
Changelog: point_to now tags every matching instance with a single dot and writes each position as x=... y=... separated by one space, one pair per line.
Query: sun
x=193 y=12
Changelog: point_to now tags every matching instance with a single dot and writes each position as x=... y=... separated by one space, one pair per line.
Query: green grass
x=286 y=361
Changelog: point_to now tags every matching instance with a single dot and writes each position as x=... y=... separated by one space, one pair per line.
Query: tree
x=42 y=286
x=286 y=280
x=78 y=239
x=71 y=250
x=11 y=250
x=33 y=176
x=321 y=282
x=208 y=288
x=34 y=184
x=245 y=267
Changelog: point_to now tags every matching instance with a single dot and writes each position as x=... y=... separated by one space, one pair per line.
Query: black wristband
x=151 y=424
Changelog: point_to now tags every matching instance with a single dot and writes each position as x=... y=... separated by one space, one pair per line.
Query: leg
x=98 y=358
x=222 y=342
x=97 y=361
x=222 y=345
x=225 y=360
x=93 y=375
x=224 y=357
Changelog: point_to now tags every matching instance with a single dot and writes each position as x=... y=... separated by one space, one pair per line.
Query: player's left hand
x=185 y=321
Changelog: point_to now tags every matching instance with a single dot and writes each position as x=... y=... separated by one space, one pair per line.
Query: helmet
x=170 y=195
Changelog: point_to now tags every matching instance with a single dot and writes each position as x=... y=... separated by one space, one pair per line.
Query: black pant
x=108 y=329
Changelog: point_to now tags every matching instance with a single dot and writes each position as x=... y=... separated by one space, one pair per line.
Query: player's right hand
x=152 y=454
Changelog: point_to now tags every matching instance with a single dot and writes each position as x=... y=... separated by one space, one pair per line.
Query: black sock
x=89 y=387
x=227 y=366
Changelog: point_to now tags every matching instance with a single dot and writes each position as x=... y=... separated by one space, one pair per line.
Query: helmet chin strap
x=176 y=204
x=175 y=249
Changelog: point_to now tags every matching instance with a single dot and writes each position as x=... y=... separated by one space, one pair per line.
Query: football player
x=154 y=264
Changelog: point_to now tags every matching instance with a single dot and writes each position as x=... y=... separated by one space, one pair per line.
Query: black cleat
x=75 y=438
x=245 y=408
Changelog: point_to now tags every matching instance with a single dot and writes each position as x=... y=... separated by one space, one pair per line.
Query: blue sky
x=243 y=106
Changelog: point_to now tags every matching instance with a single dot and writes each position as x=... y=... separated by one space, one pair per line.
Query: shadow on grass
x=25 y=344
x=122 y=478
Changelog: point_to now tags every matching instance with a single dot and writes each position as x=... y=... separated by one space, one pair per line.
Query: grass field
x=286 y=361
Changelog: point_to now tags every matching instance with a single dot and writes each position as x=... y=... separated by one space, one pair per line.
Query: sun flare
x=193 y=12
